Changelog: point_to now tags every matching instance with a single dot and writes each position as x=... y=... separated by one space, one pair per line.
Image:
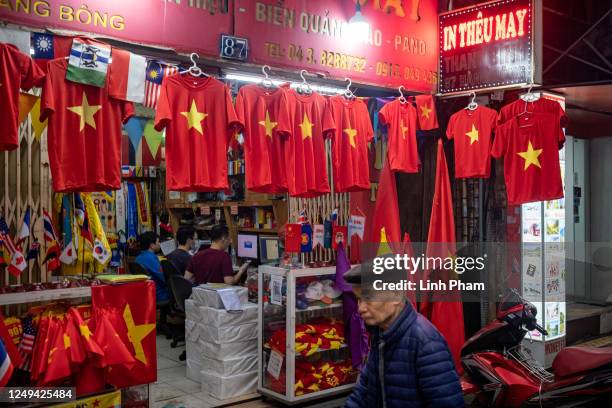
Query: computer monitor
x=247 y=246
x=269 y=249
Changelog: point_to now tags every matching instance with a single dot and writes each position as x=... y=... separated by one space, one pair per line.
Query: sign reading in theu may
x=489 y=45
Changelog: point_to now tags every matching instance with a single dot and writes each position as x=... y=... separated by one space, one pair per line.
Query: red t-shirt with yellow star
x=84 y=134
x=265 y=116
x=401 y=121
x=348 y=122
x=16 y=71
x=200 y=120
x=305 y=147
x=530 y=146
x=472 y=131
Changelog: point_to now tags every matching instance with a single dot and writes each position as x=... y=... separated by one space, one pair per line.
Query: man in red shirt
x=16 y=71
x=214 y=265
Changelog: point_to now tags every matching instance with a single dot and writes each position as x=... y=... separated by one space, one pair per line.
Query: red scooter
x=501 y=372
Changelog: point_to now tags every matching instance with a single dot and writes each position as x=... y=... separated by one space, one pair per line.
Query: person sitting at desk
x=214 y=265
x=180 y=257
x=149 y=245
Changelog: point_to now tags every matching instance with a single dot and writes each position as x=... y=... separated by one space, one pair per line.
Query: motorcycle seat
x=574 y=360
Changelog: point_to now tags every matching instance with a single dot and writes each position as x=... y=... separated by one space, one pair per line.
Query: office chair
x=181 y=288
x=135 y=268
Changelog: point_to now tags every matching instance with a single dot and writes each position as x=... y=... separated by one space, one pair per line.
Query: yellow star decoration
x=137 y=333
x=195 y=118
x=531 y=156
x=268 y=124
x=50 y=358
x=473 y=135
x=66 y=341
x=404 y=128
x=306 y=127
x=425 y=111
x=351 y=133
x=86 y=112
x=85 y=332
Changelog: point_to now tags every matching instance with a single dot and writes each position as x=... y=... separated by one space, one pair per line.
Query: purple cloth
x=354 y=327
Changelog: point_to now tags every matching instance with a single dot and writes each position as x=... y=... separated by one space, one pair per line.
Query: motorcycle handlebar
x=541 y=329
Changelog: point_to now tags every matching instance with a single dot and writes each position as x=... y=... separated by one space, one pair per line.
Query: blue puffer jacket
x=418 y=368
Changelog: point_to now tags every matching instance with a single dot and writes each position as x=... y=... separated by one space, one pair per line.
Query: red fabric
x=17 y=70
x=530 y=147
x=10 y=347
x=339 y=234
x=199 y=119
x=84 y=134
x=348 y=122
x=293 y=237
x=44 y=335
x=426 y=111
x=58 y=361
x=401 y=121
x=89 y=379
x=210 y=266
x=115 y=350
x=446 y=315
x=265 y=116
x=386 y=212
x=574 y=360
x=131 y=309
x=542 y=105
x=412 y=277
x=61 y=48
x=86 y=336
x=14 y=329
x=305 y=147
x=472 y=131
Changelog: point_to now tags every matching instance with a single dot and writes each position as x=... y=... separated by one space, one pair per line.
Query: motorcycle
x=500 y=372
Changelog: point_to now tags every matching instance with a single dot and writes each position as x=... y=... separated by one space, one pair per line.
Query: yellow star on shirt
x=66 y=341
x=268 y=124
x=195 y=118
x=86 y=112
x=531 y=156
x=404 y=129
x=473 y=135
x=137 y=333
x=306 y=127
x=351 y=133
x=425 y=111
x=85 y=332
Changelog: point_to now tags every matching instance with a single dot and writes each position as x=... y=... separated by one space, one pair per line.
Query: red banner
x=401 y=48
x=187 y=25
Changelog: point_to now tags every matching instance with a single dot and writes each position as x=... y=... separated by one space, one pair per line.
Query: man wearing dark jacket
x=409 y=364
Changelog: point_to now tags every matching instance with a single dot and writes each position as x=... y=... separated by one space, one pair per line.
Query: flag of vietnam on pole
x=131 y=311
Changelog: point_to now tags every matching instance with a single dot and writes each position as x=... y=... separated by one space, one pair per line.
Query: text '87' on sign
x=234 y=47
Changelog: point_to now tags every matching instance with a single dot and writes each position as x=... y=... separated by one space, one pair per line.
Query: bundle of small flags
x=17 y=262
x=27 y=342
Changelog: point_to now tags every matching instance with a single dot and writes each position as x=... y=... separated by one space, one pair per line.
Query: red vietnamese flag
x=84 y=134
x=305 y=147
x=446 y=315
x=16 y=71
x=92 y=348
x=131 y=311
x=472 y=131
x=386 y=221
x=42 y=345
x=401 y=121
x=265 y=116
x=199 y=119
x=58 y=359
x=115 y=349
x=76 y=351
x=10 y=347
x=426 y=111
x=348 y=123
x=411 y=277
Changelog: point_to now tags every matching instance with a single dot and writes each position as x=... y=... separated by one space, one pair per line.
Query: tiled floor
x=174 y=390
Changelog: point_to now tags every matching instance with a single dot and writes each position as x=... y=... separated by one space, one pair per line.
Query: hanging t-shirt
x=305 y=147
x=17 y=70
x=84 y=134
x=265 y=116
x=472 y=131
x=348 y=122
x=401 y=119
x=200 y=120
x=530 y=147
x=541 y=105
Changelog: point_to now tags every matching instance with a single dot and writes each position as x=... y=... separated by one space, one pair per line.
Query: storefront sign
x=400 y=49
x=489 y=45
x=186 y=25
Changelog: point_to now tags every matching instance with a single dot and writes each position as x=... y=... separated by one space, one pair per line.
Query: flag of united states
x=156 y=72
x=27 y=343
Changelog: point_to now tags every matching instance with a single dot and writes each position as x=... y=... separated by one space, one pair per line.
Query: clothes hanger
x=304 y=87
x=472 y=105
x=266 y=82
x=531 y=96
x=402 y=99
x=525 y=112
x=348 y=94
x=194 y=70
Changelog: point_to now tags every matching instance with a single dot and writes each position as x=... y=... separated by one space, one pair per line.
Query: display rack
x=44 y=295
x=278 y=285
